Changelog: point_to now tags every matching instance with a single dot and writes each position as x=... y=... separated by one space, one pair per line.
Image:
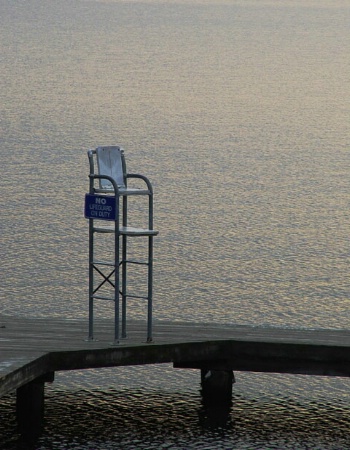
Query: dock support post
x=30 y=406
x=217 y=386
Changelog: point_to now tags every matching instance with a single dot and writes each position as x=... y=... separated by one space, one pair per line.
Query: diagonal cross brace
x=105 y=278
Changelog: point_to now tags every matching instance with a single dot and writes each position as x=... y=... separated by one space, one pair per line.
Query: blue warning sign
x=100 y=207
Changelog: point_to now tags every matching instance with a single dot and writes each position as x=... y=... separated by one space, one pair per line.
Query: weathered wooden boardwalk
x=31 y=350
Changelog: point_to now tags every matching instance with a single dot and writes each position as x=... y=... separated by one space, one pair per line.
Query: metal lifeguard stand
x=106 y=207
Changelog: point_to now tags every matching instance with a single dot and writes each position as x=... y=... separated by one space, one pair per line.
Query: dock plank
x=30 y=347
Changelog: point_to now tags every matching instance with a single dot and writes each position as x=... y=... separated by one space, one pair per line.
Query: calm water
x=238 y=111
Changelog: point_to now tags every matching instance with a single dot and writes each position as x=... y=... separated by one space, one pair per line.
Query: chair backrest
x=111 y=162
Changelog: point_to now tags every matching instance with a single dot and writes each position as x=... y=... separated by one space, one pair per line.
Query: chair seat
x=123 y=191
x=126 y=231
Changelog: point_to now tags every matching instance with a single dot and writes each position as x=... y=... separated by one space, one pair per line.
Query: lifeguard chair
x=106 y=207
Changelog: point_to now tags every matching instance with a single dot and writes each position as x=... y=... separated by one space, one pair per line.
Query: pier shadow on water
x=151 y=419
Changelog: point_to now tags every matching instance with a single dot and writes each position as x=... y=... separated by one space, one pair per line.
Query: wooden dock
x=31 y=350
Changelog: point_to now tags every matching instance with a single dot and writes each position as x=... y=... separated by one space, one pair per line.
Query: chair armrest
x=141 y=177
x=105 y=177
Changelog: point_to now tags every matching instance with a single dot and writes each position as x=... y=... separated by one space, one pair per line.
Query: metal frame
x=122 y=232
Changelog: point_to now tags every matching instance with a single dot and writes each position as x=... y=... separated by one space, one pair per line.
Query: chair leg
x=150 y=289
x=116 y=284
x=124 y=275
